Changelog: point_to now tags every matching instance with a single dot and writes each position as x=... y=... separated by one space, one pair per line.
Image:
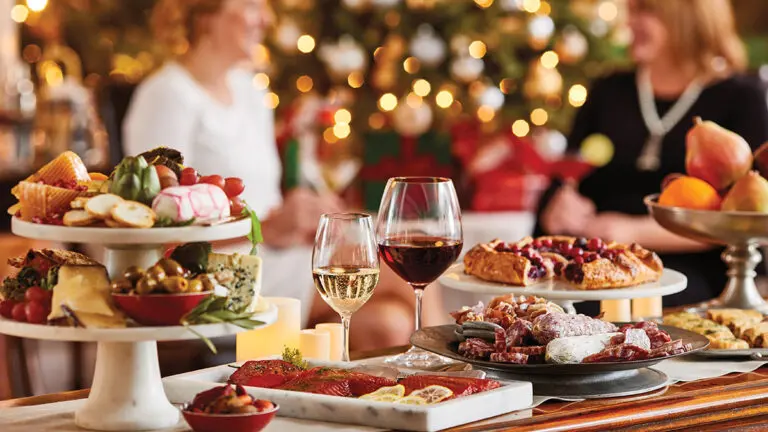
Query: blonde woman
x=204 y=104
x=689 y=61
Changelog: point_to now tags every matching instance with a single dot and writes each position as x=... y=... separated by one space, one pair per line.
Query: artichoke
x=169 y=157
x=136 y=180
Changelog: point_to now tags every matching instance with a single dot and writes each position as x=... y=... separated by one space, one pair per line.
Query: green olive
x=133 y=274
x=206 y=281
x=121 y=285
x=195 y=286
x=171 y=267
x=156 y=272
x=146 y=285
x=175 y=284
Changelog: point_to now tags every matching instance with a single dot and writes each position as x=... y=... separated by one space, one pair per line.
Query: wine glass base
x=417 y=358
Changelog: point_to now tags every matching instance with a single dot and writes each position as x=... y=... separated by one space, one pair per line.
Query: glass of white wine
x=345 y=264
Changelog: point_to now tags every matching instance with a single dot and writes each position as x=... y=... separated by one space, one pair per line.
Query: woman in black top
x=688 y=58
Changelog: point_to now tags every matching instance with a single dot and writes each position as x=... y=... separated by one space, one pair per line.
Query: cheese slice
x=573 y=349
x=241 y=276
x=85 y=291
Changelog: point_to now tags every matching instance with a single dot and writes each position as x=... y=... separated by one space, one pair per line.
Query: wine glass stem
x=419 y=291
x=345 y=322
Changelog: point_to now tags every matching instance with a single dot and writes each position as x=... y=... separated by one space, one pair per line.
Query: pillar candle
x=271 y=340
x=650 y=307
x=315 y=344
x=616 y=310
x=336 y=332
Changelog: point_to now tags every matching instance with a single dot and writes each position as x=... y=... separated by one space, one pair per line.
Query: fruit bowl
x=158 y=309
x=741 y=232
x=250 y=422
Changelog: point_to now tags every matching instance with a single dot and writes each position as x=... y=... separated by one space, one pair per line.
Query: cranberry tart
x=585 y=264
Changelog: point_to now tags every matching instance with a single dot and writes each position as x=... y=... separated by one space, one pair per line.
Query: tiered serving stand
x=127 y=392
x=741 y=232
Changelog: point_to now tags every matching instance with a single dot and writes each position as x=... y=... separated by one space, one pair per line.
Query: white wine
x=345 y=289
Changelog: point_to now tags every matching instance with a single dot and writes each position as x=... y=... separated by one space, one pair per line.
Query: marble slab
x=512 y=396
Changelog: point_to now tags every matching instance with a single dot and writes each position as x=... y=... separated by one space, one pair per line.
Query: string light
x=306 y=44
x=304 y=83
x=577 y=95
x=444 y=99
x=607 y=11
x=477 y=49
x=531 y=6
x=329 y=136
x=539 y=116
x=413 y=100
x=421 y=87
x=342 y=116
x=484 y=3
x=387 y=102
x=550 y=59
x=520 y=128
x=486 y=113
x=411 y=65
x=271 y=100
x=545 y=8
x=355 y=80
x=377 y=121
x=341 y=130
x=261 y=81
x=507 y=85
x=19 y=13
x=37 y=5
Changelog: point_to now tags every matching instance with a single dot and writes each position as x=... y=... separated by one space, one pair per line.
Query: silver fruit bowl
x=741 y=232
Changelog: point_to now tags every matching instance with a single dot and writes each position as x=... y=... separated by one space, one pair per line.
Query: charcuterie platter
x=526 y=337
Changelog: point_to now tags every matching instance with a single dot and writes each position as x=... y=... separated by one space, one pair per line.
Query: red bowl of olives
x=160 y=295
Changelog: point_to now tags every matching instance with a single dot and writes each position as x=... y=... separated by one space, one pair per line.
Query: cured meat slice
x=505 y=357
x=519 y=333
x=557 y=325
x=476 y=348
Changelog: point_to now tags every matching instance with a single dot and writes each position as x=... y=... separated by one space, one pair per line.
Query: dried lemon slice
x=382 y=398
x=413 y=400
x=433 y=393
x=396 y=390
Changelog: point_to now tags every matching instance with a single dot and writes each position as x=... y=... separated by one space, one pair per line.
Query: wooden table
x=733 y=402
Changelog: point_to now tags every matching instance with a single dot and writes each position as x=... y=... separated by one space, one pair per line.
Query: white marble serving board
x=512 y=396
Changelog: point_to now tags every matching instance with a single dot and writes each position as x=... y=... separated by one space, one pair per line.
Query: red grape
x=36 y=293
x=35 y=312
x=236 y=206
x=19 y=313
x=233 y=186
x=188 y=177
x=6 y=308
x=215 y=180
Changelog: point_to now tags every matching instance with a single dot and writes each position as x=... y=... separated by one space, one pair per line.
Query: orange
x=97 y=176
x=690 y=192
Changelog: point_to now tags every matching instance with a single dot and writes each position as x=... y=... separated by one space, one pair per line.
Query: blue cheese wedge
x=240 y=275
x=638 y=338
x=573 y=349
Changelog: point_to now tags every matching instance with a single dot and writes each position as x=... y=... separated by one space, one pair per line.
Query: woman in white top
x=205 y=106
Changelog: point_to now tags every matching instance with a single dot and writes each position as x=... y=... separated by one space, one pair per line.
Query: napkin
x=692 y=368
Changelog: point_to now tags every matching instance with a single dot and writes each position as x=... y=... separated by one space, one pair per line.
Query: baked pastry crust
x=587 y=265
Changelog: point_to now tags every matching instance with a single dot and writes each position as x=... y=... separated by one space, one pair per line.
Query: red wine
x=419 y=260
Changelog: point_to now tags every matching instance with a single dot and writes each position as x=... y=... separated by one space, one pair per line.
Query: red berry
x=215 y=180
x=6 y=308
x=537 y=243
x=236 y=206
x=35 y=312
x=18 y=313
x=547 y=243
x=576 y=252
x=188 y=177
x=595 y=244
x=35 y=293
x=233 y=186
x=578 y=259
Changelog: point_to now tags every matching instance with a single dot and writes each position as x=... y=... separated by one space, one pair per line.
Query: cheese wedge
x=241 y=276
x=85 y=291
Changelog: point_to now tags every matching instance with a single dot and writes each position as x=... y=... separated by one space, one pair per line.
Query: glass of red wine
x=420 y=236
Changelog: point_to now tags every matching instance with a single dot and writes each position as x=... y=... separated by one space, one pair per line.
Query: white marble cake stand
x=671 y=282
x=127 y=392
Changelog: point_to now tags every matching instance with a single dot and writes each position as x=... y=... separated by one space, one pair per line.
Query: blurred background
x=482 y=91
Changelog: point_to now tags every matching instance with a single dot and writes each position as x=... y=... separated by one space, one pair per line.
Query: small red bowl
x=250 y=422
x=158 y=309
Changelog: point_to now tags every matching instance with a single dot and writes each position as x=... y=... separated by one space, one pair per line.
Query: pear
x=761 y=159
x=749 y=193
x=716 y=155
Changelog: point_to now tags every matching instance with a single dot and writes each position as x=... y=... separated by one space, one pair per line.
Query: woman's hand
x=568 y=212
x=612 y=226
x=628 y=229
x=295 y=222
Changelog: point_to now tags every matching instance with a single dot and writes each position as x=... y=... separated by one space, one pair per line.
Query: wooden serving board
x=512 y=396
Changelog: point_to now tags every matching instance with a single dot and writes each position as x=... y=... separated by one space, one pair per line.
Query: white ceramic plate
x=671 y=282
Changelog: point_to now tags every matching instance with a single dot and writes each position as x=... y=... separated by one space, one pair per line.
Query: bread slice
x=133 y=214
x=101 y=205
x=79 y=218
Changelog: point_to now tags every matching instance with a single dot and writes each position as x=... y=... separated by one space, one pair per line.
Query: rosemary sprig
x=213 y=310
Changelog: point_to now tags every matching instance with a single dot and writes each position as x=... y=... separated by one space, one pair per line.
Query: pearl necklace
x=650 y=156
